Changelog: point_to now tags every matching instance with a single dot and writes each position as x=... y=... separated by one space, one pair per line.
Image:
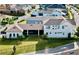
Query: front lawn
x=31 y=43
x=6 y=47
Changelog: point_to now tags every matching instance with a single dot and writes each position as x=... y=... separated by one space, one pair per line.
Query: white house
x=59 y=28
x=13 y=31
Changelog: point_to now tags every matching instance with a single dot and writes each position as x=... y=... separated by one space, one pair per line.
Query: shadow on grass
x=10 y=42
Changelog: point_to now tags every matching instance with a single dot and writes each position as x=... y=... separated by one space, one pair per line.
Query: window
x=59 y=33
x=40 y=14
x=50 y=33
x=62 y=27
x=46 y=33
x=17 y=35
x=10 y=35
x=13 y=35
x=55 y=15
x=52 y=25
x=33 y=15
x=52 y=28
x=48 y=27
x=55 y=33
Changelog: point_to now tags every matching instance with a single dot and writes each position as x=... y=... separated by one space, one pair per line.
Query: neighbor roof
x=53 y=6
x=54 y=21
x=44 y=17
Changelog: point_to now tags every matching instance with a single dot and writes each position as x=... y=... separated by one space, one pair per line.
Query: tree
x=10 y=21
x=77 y=33
x=14 y=18
x=4 y=22
x=28 y=11
x=44 y=37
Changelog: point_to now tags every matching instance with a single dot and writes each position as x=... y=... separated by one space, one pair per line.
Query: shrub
x=44 y=37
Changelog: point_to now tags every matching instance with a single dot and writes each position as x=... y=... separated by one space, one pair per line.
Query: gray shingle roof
x=54 y=21
x=72 y=21
x=31 y=26
x=13 y=28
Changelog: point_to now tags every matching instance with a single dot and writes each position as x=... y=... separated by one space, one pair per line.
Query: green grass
x=54 y=42
x=70 y=14
x=32 y=43
x=6 y=46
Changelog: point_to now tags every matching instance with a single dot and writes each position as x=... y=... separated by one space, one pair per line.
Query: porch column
x=27 y=32
x=38 y=32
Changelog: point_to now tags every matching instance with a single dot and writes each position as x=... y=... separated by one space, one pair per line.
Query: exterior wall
x=56 y=13
x=7 y=35
x=58 y=33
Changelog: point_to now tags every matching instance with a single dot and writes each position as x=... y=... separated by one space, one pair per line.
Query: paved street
x=57 y=49
x=68 y=49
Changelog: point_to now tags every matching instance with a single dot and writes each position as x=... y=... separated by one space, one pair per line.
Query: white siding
x=59 y=32
x=8 y=34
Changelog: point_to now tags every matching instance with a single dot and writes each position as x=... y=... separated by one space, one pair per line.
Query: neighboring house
x=4 y=7
x=59 y=28
x=48 y=13
x=34 y=20
x=37 y=20
x=13 y=31
x=56 y=6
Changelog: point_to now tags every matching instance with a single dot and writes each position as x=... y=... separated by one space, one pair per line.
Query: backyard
x=30 y=44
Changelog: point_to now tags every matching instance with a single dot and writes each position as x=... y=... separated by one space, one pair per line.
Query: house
x=13 y=31
x=59 y=28
x=4 y=7
x=37 y=20
x=52 y=12
x=55 y=6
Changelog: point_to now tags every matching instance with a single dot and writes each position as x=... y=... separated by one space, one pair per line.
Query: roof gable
x=54 y=22
x=13 y=28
